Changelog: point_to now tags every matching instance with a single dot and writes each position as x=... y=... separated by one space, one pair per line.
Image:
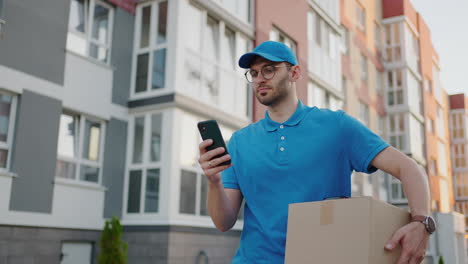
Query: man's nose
x=259 y=79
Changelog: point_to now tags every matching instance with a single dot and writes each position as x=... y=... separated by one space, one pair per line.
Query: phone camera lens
x=203 y=129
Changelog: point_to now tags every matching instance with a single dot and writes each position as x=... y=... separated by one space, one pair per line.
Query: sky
x=449 y=32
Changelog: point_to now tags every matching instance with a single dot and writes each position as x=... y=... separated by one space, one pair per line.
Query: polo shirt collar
x=295 y=119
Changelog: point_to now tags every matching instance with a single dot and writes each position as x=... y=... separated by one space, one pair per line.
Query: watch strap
x=418 y=218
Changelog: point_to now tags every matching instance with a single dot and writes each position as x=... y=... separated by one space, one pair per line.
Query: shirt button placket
x=282 y=146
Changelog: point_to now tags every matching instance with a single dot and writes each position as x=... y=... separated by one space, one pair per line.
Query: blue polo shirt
x=310 y=157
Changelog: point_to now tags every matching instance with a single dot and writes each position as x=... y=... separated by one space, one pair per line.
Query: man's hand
x=209 y=165
x=413 y=238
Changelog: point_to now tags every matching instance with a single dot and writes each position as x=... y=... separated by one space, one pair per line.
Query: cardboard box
x=352 y=231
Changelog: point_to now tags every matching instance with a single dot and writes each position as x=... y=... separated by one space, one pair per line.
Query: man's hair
x=288 y=65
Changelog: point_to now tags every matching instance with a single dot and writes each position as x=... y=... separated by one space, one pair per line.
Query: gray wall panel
x=122 y=46
x=35 y=36
x=114 y=167
x=35 y=153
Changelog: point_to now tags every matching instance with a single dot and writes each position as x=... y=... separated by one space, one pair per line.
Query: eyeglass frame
x=263 y=75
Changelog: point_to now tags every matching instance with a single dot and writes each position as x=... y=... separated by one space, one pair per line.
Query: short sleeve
x=229 y=176
x=361 y=144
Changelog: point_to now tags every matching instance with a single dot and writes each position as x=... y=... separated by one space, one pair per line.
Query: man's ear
x=296 y=73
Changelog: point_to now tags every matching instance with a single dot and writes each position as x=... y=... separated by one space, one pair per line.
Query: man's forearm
x=416 y=187
x=220 y=207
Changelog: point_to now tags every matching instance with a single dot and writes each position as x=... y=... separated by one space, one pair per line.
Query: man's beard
x=277 y=94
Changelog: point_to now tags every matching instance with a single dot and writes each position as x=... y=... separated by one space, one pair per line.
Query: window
x=277 y=35
x=360 y=17
x=345 y=41
x=321 y=98
x=379 y=84
x=7 y=123
x=428 y=85
x=461 y=186
x=432 y=167
x=397 y=130
x=79 y=153
x=457 y=125
x=314 y=29
x=321 y=34
x=392 y=42
x=193 y=183
x=364 y=68
x=395 y=88
x=90 y=29
x=149 y=59
x=430 y=125
x=377 y=35
x=241 y=8
x=381 y=126
x=440 y=122
x=211 y=75
x=460 y=155
x=364 y=113
x=397 y=195
x=145 y=163
x=442 y=159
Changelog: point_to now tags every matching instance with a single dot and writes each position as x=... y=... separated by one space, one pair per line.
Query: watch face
x=431 y=225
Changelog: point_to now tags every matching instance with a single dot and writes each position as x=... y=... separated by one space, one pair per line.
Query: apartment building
x=459 y=150
x=362 y=80
x=417 y=107
x=100 y=101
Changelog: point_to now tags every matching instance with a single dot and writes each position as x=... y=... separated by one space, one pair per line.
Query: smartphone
x=210 y=130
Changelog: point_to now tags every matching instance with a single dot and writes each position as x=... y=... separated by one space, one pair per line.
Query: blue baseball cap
x=270 y=50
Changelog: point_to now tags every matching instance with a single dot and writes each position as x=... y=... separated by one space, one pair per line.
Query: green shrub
x=441 y=260
x=113 y=249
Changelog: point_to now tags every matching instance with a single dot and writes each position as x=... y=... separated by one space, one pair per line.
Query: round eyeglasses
x=267 y=71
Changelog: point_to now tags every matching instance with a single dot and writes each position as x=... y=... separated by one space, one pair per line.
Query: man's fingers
x=217 y=170
x=215 y=162
x=203 y=146
x=211 y=154
x=393 y=242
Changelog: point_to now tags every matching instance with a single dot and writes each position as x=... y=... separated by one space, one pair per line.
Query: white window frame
x=198 y=171
x=461 y=185
x=345 y=41
x=457 y=124
x=392 y=44
x=198 y=182
x=397 y=133
x=361 y=17
x=87 y=35
x=364 y=68
x=459 y=154
x=237 y=9
x=200 y=91
x=364 y=113
x=150 y=49
x=400 y=198
x=377 y=36
x=440 y=122
x=78 y=161
x=395 y=88
x=145 y=164
x=7 y=145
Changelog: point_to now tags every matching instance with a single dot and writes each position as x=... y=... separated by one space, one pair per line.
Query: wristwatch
x=427 y=221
